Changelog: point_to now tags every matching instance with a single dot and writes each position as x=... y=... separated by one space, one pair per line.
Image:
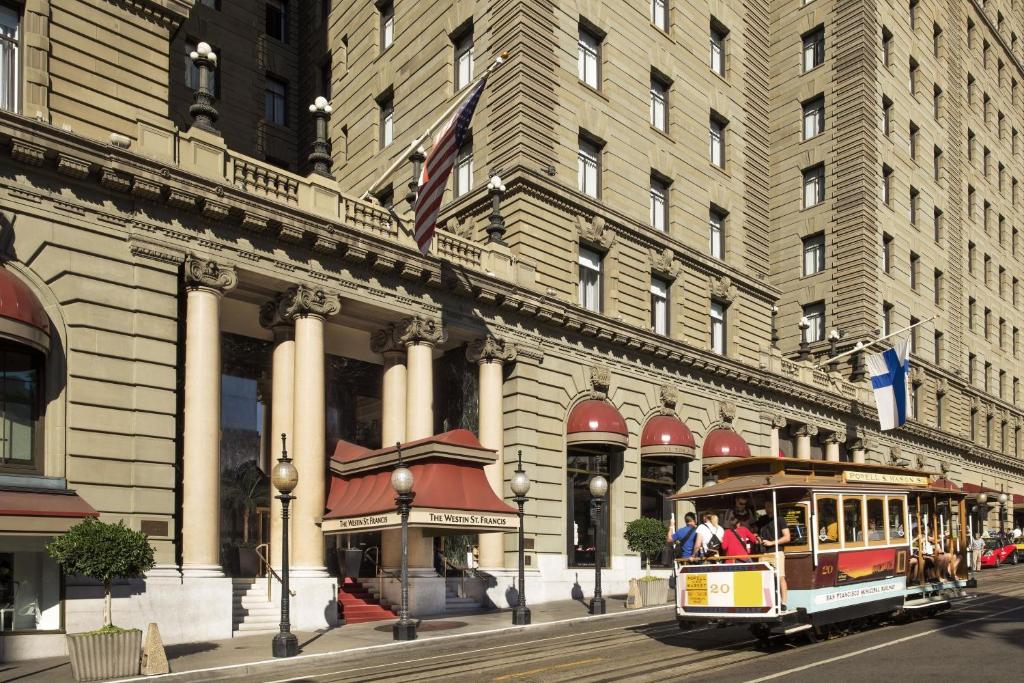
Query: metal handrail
x=270 y=571
x=462 y=574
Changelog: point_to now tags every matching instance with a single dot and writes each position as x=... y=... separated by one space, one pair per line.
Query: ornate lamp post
x=833 y=338
x=496 y=228
x=402 y=481
x=598 y=489
x=859 y=364
x=805 y=347
x=416 y=158
x=520 y=487
x=321 y=155
x=285 y=477
x=1002 y=511
x=775 y=329
x=982 y=499
x=202 y=109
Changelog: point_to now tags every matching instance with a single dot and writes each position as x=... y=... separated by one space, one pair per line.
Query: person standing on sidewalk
x=977 y=548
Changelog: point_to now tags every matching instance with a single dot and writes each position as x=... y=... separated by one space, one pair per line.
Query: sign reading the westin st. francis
x=426 y=518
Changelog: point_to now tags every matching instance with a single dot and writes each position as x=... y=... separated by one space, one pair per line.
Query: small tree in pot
x=647 y=537
x=103 y=552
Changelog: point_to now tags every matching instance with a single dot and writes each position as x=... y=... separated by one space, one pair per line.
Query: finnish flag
x=889 y=371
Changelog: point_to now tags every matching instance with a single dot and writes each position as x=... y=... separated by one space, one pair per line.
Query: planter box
x=649 y=592
x=101 y=656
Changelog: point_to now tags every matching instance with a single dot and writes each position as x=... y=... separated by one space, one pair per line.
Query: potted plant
x=103 y=552
x=647 y=537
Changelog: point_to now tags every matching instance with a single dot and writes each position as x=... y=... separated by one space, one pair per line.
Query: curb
x=270 y=665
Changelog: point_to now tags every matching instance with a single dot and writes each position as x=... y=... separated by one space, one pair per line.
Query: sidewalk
x=193 y=658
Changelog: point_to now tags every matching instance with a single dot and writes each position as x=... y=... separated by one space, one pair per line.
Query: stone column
x=490 y=354
x=775 y=423
x=393 y=419
x=205 y=283
x=858 y=451
x=282 y=407
x=309 y=308
x=803 y=434
x=832 y=441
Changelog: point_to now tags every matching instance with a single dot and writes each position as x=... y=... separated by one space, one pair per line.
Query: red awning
x=22 y=316
x=945 y=484
x=975 y=488
x=42 y=511
x=595 y=422
x=667 y=435
x=724 y=445
x=1018 y=499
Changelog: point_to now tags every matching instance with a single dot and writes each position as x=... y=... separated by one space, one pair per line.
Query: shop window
x=29 y=585
x=581 y=534
x=21 y=376
x=876 y=521
x=828 y=522
x=659 y=479
x=853 y=521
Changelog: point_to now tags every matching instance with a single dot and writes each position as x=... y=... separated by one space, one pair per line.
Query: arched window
x=21 y=383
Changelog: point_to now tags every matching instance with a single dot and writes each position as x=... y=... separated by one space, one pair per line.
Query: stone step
x=261 y=610
x=255 y=601
x=268 y=627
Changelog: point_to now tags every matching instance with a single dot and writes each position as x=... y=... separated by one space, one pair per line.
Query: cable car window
x=828 y=521
x=794 y=515
x=853 y=521
x=897 y=518
x=876 y=521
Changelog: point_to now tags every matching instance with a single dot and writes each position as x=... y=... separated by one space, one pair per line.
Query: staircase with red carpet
x=356 y=605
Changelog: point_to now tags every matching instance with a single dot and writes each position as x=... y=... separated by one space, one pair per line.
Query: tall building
x=691 y=197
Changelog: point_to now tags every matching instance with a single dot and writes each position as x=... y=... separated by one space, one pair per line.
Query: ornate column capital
x=775 y=420
x=204 y=274
x=419 y=330
x=271 y=318
x=804 y=430
x=490 y=349
x=384 y=341
x=836 y=436
x=301 y=301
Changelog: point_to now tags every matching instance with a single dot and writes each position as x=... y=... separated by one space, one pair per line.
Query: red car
x=997 y=553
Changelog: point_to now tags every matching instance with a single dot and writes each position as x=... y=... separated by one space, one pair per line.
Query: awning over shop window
x=595 y=422
x=452 y=491
x=667 y=435
x=944 y=484
x=22 y=316
x=723 y=445
x=975 y=488
x=41 y=512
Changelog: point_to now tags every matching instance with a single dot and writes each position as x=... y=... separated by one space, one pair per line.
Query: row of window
x=591 y=297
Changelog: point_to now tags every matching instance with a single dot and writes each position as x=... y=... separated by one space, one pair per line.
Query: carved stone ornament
x=1004 y=417
x=301 y=301
x=804 y=430
x=722 y=289
x=490 y=349
x=668 y=395
x=595 y=232
x=203 y=274
x=600 y=381
x=835 y=436
x=895 y=455
x=941 y=387
x=775 y=420
x=944 y=467
x=665 y=262
x=976 y=404
x=727 y=412
x=916 y=375
x=420 y=330
x=460 y=228
x=270 y=314
x=385 y=341
x=921 y=460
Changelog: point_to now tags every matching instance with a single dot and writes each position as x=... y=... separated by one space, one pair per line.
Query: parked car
x=997 y=552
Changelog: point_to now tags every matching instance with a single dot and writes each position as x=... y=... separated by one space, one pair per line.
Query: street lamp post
x=805 y=346
x=1002 y=511
x=285 y=477
x=982 y=499
x=320 y=157
x=496 y=228
x=833 y=339
x=202 y=109
x=402 y=481
x=520 y=487
x=598 y=489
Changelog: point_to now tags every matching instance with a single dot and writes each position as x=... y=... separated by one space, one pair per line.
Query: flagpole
x=864 y=347
x=499 y=60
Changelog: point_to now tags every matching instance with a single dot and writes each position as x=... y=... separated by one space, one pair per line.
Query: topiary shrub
x=646 y=536
x=103 y=552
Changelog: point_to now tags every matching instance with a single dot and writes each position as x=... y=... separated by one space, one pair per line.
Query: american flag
x=438 y=167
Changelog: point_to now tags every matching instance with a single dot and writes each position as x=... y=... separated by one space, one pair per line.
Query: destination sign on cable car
x=861 y=477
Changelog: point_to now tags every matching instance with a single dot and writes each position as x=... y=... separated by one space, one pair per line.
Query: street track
x=636 y=651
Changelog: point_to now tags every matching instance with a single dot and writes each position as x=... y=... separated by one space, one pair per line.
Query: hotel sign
x=859 y=477
x=428 y=518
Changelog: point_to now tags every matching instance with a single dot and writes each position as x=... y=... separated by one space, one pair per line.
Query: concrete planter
x=650 y=592
x=101 y=656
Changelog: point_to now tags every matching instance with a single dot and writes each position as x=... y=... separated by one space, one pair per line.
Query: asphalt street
x=973 y=640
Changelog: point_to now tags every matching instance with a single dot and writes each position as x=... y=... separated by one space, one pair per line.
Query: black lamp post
x=285 y=477
x=859 y=364
x=775 y=329
x=416 y=158
x=496 y=228
x=982 y=499
x=202 y=109
x=1002 y=511
x=598 y=489
x=402 y=481
x=833 y=339
x=805 y=346
x=320 y=157
x=520 y=487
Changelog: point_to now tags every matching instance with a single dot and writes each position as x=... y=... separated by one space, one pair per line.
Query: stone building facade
x=683 y=182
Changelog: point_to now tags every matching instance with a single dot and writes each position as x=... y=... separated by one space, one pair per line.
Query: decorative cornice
x=166 y=13
x=420 y=330
x=301 y=301
x=490 y=349
x=204 y=274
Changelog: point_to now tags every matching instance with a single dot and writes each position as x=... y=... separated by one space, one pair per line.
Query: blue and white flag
x=889 y=381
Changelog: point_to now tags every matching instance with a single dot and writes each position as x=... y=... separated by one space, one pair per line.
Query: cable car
x=866 y=541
